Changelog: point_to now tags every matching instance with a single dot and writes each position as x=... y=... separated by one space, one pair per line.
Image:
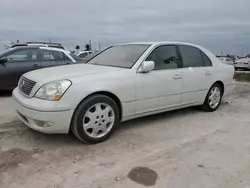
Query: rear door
x=54 y=58
x=19 y=62
x=197 y=74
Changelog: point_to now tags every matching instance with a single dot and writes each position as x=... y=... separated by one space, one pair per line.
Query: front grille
x=26 y=85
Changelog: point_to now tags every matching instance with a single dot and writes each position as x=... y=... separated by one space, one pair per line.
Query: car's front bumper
x=51 y=120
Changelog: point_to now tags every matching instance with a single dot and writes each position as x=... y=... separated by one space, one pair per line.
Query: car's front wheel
x=213 y=98
x=95 y=119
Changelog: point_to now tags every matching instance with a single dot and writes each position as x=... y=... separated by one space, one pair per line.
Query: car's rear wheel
x=95 y=119
x=213 y=98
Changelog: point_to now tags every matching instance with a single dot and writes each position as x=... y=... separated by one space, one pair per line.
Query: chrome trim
x=25 y=86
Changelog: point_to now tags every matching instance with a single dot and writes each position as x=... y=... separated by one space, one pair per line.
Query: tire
x=95 y=119
x=212 y=103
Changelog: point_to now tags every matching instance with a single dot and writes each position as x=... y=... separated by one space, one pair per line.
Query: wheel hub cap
x=214 y=97
x=98 y=120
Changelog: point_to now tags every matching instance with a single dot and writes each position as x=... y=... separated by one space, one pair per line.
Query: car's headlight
x=53 y=90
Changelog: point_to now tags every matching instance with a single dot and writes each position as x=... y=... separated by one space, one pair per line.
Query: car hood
x=67 y=72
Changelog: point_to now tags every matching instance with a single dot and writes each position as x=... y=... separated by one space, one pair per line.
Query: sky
x=219 y=25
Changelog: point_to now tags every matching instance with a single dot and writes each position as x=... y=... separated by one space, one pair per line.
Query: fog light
x=43 y=123
x=48 y=124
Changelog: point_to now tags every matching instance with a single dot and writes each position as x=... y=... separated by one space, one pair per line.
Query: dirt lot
x=186 y=148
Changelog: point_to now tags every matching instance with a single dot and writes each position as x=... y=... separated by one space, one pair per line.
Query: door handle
x=207 y=73
x=36 y=65
x=177 y=76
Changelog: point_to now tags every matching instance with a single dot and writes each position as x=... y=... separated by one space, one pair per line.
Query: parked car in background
x=123 y=82
x=83 y=54
x=243 y=63
x=226 y=60
x=90 y=56
x=19 y=60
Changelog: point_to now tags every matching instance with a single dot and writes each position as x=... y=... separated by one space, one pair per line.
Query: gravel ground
x=182 y=149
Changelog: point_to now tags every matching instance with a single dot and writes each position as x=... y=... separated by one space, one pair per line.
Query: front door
x=19 y=62
x=162 y=87
x=197 y=74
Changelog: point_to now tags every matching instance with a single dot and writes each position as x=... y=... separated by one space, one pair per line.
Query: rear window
x=206 y=61
x=51 y=55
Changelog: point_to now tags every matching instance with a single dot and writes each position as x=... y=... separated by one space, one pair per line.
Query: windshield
x=123 y=56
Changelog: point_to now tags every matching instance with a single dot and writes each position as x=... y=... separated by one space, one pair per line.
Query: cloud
x=215 y=24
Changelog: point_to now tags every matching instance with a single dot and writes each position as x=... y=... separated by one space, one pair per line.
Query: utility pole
x=99 y=46
x=90 y=47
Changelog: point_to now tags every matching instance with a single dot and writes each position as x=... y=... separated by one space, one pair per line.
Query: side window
x=191 y=56
x=165 y=57
x=206 y=61
x=46 y=55
x=24 y=55
x=51 y=55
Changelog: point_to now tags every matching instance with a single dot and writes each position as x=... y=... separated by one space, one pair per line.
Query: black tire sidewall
x=82 y=109
x=207 y=106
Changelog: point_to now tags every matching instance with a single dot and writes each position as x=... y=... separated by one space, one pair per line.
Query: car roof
x=161 y=42
x=35 y=42
x=24 y=47
x=40 y=47
x=87 y=51
x=50 y=44
x=246 y=59
x=164 y=43
x=51 y=48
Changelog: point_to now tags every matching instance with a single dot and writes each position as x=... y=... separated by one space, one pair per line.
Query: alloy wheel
x=214 y=97
x=98 y=120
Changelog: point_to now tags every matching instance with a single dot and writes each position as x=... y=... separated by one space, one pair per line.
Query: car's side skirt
x=159 y=111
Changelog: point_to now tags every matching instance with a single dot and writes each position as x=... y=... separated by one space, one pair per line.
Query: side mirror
x=3 y=60
x=147 y=66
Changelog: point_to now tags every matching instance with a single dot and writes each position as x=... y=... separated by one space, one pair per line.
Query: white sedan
x=243 y=63
x=123 y=82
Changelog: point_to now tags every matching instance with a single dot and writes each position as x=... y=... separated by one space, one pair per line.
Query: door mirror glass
x=3 y=60
x=147 y=66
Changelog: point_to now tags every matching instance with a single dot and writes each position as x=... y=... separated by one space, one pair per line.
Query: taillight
x=234 y=76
